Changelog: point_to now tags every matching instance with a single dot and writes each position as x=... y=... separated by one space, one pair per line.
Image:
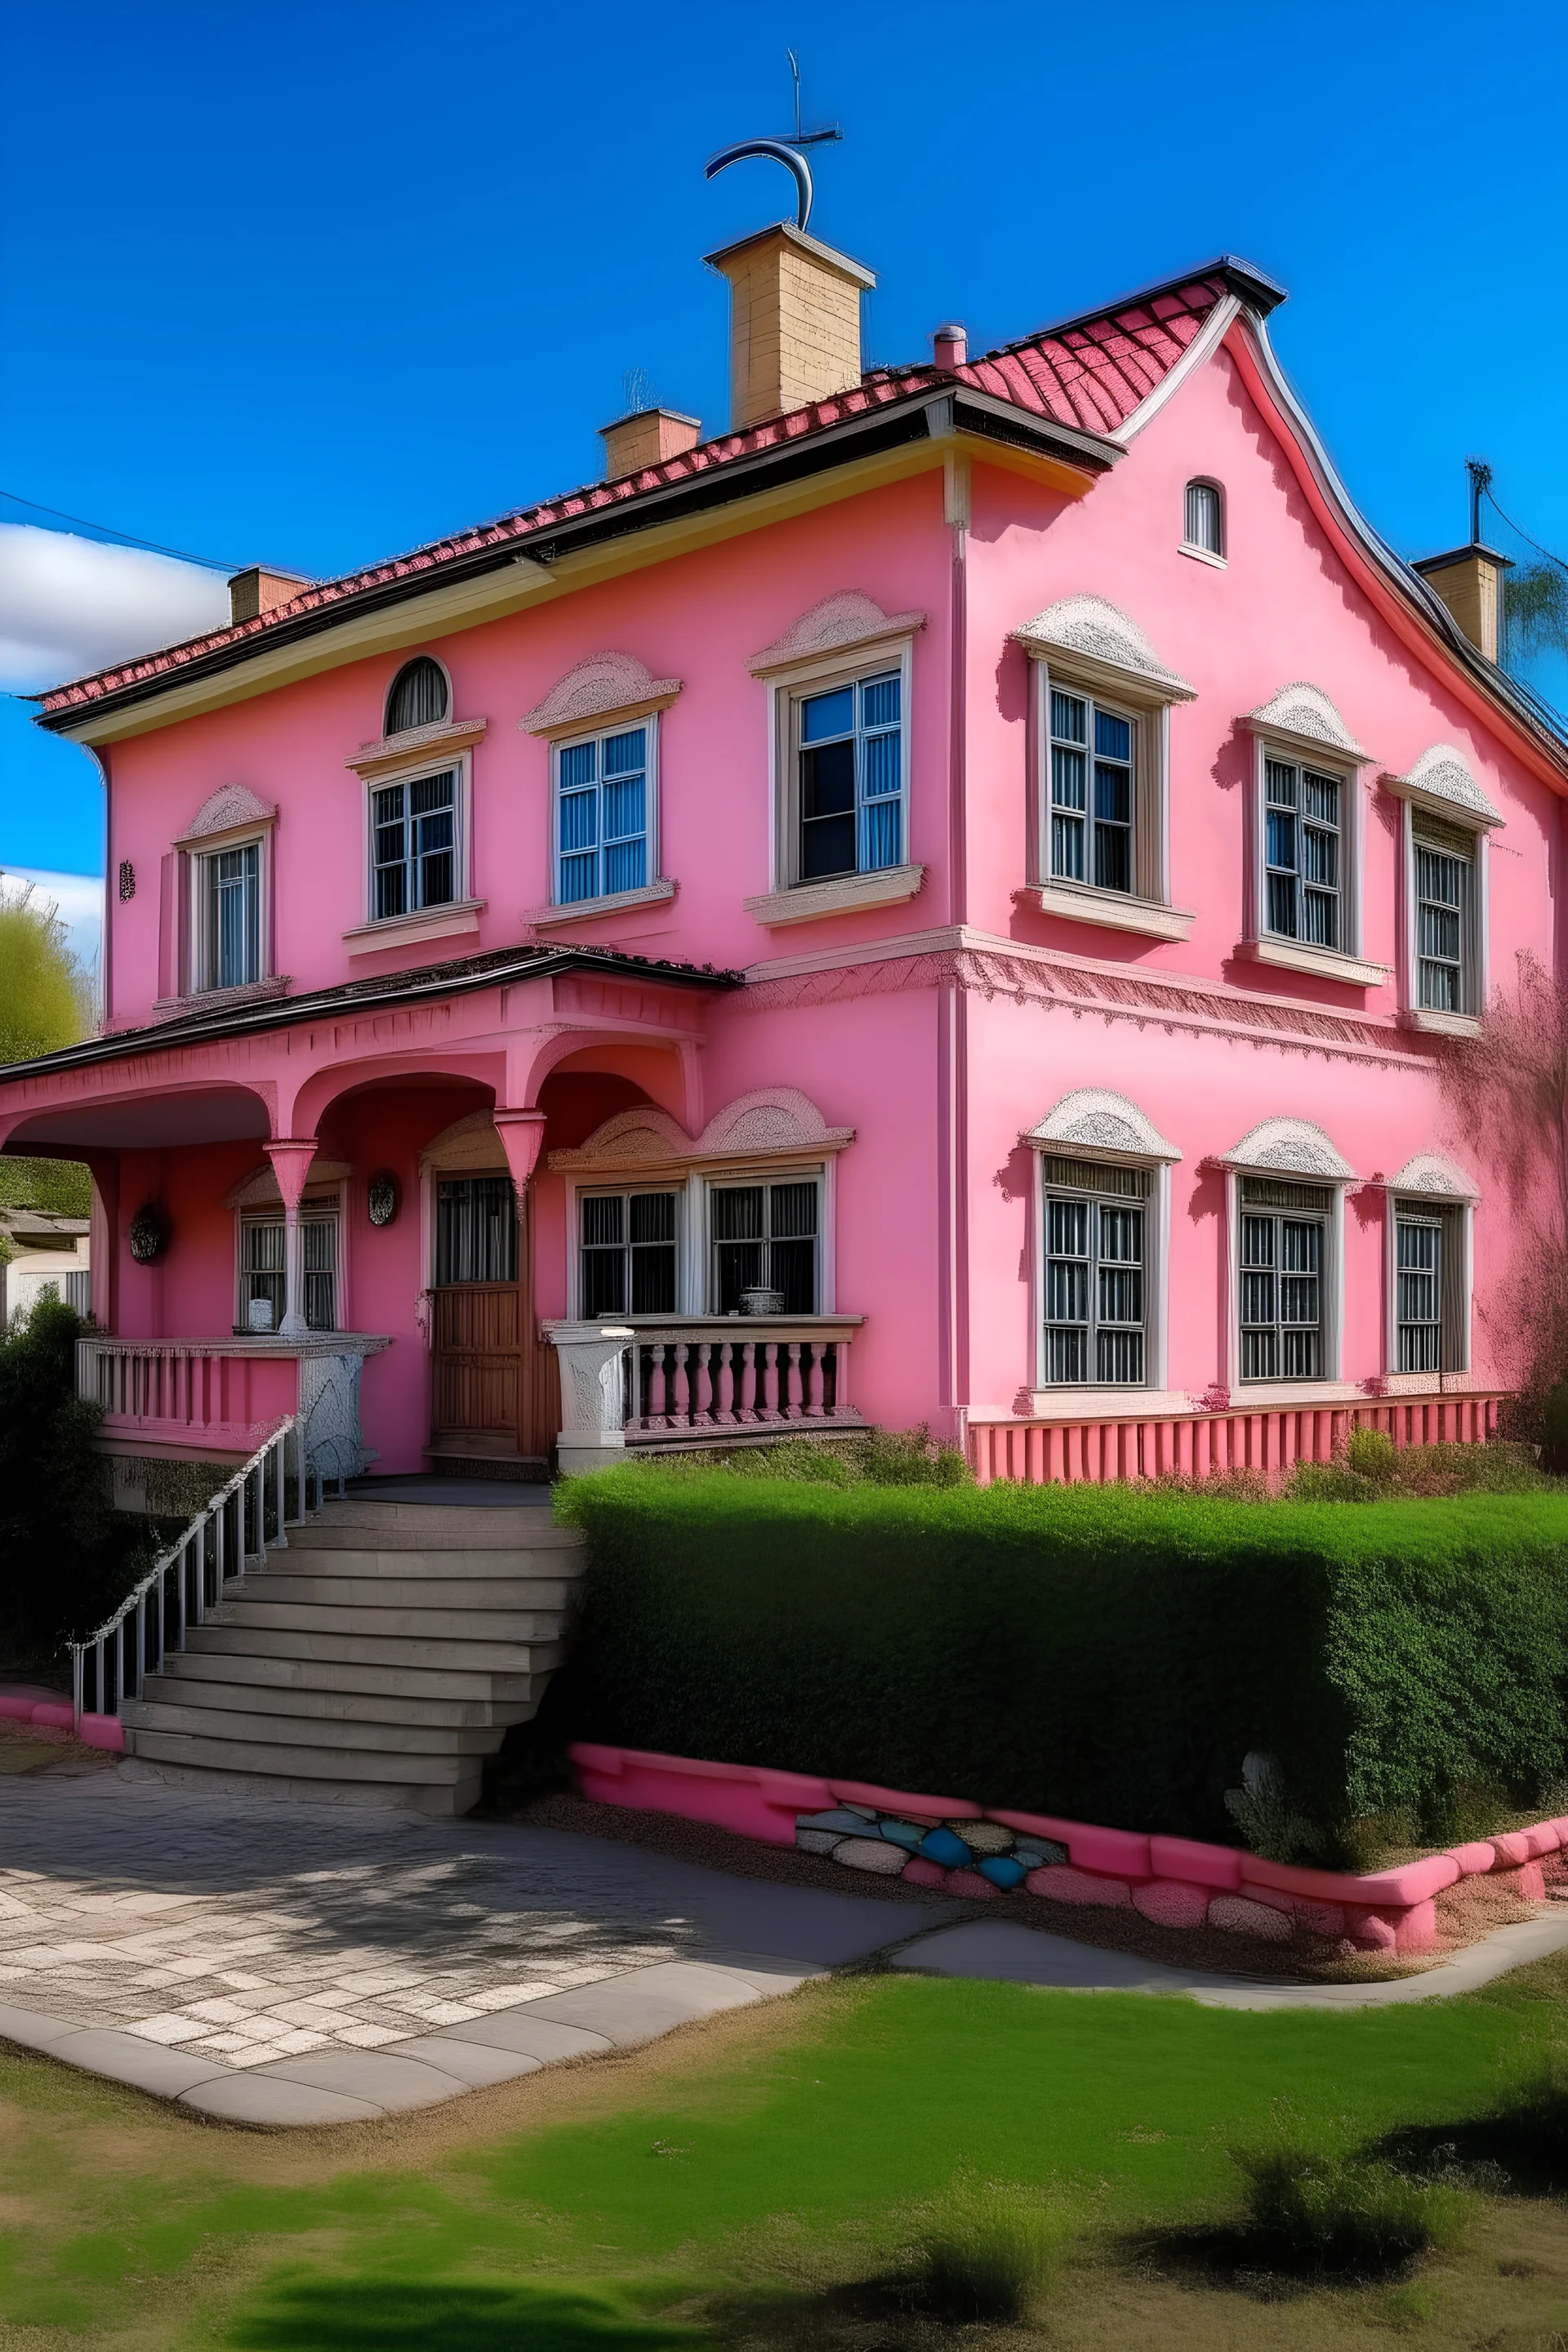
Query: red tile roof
x=1090 y=375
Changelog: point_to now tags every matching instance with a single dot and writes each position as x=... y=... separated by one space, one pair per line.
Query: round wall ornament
x=149 y=1234
x=383 y=1195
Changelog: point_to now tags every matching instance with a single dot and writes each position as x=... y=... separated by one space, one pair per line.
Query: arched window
x=1205 y=518
x=418 y=697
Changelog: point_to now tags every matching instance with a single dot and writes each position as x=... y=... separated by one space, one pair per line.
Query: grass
x=771 y=2178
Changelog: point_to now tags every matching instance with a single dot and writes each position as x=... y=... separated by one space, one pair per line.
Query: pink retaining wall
x=1204 y=1446
x=1173 y=1882
x=48 y=1715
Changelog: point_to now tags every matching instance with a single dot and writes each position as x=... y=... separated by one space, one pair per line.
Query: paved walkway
x=285 y=1964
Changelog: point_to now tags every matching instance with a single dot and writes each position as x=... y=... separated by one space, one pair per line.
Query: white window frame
x=1146 y=908
x=693 y=1224
x=198 y=978
x=817 y=1171
x=404 y=662
x=329 y=1200
x=1463 y=1213
x=786 y=691
x=1156 y=1276
x=1188 y=546
x=1333 y=769
x=433 y=761
x=606 y=725
x=622 y=1189
x=1475 y=959
x=1331 y=1281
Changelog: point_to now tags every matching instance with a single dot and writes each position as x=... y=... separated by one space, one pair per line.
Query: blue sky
x=312 y=283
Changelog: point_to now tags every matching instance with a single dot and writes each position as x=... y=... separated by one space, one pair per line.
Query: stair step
x=428 y=1527
x=356 y=1588
x=186 y=1686
x=393 y=1742
x=465 y=1562
x=471 y=1626
x=346 y=1679
x=342 y=1764
x=275 y=1775
x=402 y=1653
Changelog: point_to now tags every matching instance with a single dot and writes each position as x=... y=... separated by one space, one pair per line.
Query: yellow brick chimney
x=795 y=321
x=1470 y=582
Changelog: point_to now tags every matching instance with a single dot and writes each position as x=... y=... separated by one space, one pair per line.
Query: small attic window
x=419 y=696
x=1204 y=519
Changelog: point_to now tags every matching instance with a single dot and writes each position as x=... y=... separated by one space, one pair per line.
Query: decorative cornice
x=1435 y=1178
x=837 y=624
x=768 y=1121
x=441 y=736
x=1094 y=1119
x=1091 y=629
x=231 y=809
x=1441 y=780
x=1303 y=716
x=1289 y=1146
x=596 y=689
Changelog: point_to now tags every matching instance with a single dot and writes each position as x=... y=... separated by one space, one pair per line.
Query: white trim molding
x=231 y=809
x=1289 y=1146
x=1430 y=1177
x=453 y=921
x=1095 y=1123
x=1105 y=646
x=846 y=894
x=1327 y=963
x=1304 y=717
x=841 y=623
x=1442 y=781
x=608 y=684
x=1112 y=910
x=616 y=902
x=442 y=735
x=764 y=1124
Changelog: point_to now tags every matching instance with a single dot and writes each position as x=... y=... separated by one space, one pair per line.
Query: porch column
x=593 y=1393
x=292 y=1165
x=522 y=1134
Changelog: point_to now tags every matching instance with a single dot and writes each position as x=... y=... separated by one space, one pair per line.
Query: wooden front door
x=495 y=1387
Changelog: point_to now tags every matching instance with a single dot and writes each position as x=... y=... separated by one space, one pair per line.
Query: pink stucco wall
x=938 y=1067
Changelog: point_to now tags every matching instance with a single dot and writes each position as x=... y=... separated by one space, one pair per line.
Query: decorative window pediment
x=1432 y=1177
x=644 y=1136
x=1441 y=780
x=1289 y=1146
x=413 y=744
x=1103 y=643
x=1302 y=716
x=1095 y=1120
x=468 y=1143
x=837 y=625
x=769 y=1121
x=605 y=684
x=259 y=1189
x=232 y=808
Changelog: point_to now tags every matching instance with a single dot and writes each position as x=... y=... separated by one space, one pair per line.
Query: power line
x=1525 y=535
x=126 y=537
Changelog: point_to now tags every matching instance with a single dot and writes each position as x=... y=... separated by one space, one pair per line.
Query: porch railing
x=702 y=1379
x=234 y=1531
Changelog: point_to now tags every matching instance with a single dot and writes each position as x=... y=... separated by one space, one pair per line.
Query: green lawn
x=650 y=2201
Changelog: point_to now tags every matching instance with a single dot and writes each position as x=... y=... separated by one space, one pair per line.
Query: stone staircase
x=379 y=1659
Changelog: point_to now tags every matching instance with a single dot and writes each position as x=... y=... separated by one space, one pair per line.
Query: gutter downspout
x=952 y=1010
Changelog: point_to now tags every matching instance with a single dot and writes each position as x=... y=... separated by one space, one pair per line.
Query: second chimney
x=646 y=437
x=1470 y=582
x=795 y=321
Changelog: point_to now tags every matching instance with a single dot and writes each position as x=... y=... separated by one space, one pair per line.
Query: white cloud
x=79 y=898
x=70 y=606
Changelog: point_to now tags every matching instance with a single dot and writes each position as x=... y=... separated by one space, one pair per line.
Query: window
x=1445 y=931
x=1284 y=1244
x=1304 y=855
x=262 y=1281
x=475 y=1229
x=1096 y=1265
x=601 y=813
x=414 y=831
x=1203 y=519
x=765 y=1238
x=229 y=912
x=628 y=1261
x=1091 y=793
x=849 y=748
x=1429 y=1302
x=419 y=696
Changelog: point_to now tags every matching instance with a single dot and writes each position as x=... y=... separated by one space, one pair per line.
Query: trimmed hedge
x=1107 y=1654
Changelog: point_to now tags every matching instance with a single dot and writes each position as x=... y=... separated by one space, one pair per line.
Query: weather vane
x=787 y=151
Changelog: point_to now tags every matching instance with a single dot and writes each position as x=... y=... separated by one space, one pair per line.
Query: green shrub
x=1371 y=1453
x=876 y=1457
x=1107 y=1654
x=1342 y=2215
x=990 y=2251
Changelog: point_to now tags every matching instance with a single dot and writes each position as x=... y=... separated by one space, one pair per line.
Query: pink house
x=937 y=904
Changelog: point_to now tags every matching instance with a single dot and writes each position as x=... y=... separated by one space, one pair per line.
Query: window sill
x=1113 y=911
x=214 y=1000
x=1106 y=1404
x=1328 y=964
x=410 y=930
x=846 y=895
x=1268 y=1396
x=616 y=902
x=1203 y=555
x=1440 y=1024
x=1437 y=1384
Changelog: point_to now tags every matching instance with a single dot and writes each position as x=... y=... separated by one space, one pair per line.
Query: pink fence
x=186 y=1394
x=1209 y=1444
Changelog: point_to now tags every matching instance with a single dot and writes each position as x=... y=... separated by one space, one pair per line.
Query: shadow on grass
x=357 y=2314
x=881 y=2313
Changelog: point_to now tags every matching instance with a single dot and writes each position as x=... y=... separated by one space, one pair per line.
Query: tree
x=46 y=1000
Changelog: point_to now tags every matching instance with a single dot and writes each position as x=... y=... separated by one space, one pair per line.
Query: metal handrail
x=160 y=1614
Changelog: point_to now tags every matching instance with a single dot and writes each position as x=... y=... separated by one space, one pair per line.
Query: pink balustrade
x=692 y=1380
x=187 y=1396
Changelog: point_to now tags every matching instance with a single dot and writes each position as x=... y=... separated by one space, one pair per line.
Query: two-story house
x=938 y=904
